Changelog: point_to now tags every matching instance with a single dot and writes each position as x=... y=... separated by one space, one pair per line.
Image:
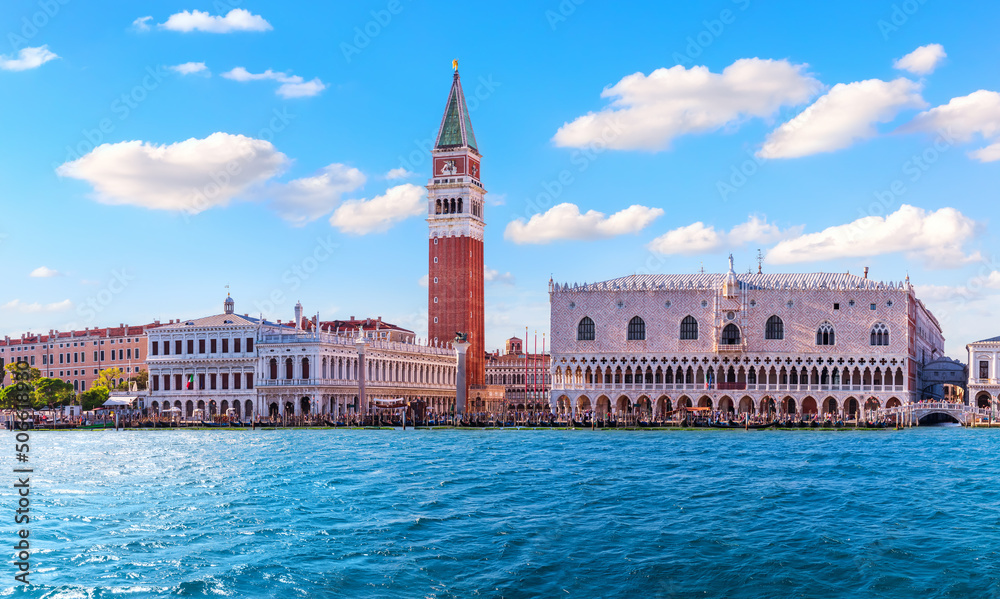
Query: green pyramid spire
x=456 y=127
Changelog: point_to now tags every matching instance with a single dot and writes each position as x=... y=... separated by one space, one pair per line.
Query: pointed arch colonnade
x=785 y=385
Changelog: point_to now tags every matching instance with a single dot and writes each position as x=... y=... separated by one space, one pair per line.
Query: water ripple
x=442 y=514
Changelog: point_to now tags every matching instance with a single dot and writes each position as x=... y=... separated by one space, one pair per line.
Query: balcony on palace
x=320 y=382
x=349 y=341
x=702 y=387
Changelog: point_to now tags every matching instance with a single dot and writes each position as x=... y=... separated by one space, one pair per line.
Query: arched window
x=585 y=330
x=775 y=328
x=274 y=369
x=305 y=368
x=880 y=334
x=636 y=329
x=288 y=368
x=731 y=335
x=437 y=207
x=689 y=328
x=824 y=334
x=460 y=210
x=452 y=211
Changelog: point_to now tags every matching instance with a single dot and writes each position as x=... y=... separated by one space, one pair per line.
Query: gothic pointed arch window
x=731 y=335
x=825 y=334
x=775 y=328
x=585 y=330
x=880 y=334
x=636 y=329
x=689 y=328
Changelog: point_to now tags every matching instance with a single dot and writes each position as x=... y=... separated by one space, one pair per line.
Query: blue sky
x=805 y=97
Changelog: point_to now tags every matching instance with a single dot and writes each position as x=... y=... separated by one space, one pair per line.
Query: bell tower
x=455 y=302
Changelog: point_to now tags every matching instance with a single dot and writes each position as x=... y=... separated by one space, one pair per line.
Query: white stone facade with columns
x=206 y=364
x=260 y=368
x=984 y=373
x=787 y=343
x=311 y=372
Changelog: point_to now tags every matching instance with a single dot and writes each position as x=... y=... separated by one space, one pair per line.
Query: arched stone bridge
x=912 y=413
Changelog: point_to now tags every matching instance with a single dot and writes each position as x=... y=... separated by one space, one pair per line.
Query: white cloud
x=398 y=173
x=242 y=75
x=190 y=68
x=564 y=221
x=17 y=305
x=192 y=175
x=141 y=24
x=300 y=89
x=936 y=238
x=962 y=119
x=648 y=112
x=399 y=203
x=44 y=272
x=304 y=200
x=990 y=153
x=237 y=19
x=292 y=86
x=491 y=275
x=845 y=115
x=27 y=58
x=496 y=199
x=423 y=281
x=698 y=238
x=923 y=60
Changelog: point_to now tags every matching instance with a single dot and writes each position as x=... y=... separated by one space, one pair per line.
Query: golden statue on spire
x=454 y=65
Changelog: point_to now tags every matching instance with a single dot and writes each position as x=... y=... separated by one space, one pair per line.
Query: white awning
x=119 y=401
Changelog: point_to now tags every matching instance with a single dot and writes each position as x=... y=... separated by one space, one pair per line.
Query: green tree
x=33 y=373
x=108 y=378
x=7 y=399
x=141 y=380
x=94 y=398
x=51 y=392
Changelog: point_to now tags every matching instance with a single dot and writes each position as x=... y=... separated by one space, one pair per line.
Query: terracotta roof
x=367 y=324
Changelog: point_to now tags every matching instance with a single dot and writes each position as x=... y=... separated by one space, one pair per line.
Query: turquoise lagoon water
x=513 y=514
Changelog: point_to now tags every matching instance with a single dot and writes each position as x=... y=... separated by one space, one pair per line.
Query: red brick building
x=455 y=216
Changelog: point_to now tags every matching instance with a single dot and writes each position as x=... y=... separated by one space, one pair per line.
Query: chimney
x=866 y=272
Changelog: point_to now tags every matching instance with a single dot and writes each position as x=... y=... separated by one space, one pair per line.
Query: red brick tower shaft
x=456 y=302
